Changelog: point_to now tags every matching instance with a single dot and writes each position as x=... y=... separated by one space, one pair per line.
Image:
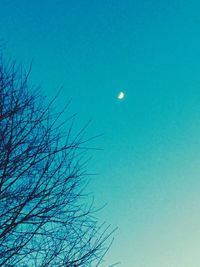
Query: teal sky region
x=149 y=169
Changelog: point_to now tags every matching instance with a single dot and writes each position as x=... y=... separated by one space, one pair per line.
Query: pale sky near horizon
x=149 y=169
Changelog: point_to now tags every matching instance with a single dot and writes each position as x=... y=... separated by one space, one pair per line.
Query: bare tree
x=43 y=217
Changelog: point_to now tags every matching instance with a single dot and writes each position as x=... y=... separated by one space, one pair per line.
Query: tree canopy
x=44 y=218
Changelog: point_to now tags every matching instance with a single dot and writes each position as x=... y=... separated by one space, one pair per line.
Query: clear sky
x=149 y=170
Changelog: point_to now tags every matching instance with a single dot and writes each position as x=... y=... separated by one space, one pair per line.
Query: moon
x=120 y=95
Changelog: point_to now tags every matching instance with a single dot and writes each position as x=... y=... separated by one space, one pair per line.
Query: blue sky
x=149 y=169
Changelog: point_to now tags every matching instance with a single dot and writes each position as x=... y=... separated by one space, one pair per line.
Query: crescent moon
x=121 y=95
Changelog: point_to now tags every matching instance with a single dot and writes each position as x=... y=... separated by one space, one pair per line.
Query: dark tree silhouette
x=43 y=218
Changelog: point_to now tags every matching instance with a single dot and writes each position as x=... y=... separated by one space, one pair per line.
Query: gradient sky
x=149 y=170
